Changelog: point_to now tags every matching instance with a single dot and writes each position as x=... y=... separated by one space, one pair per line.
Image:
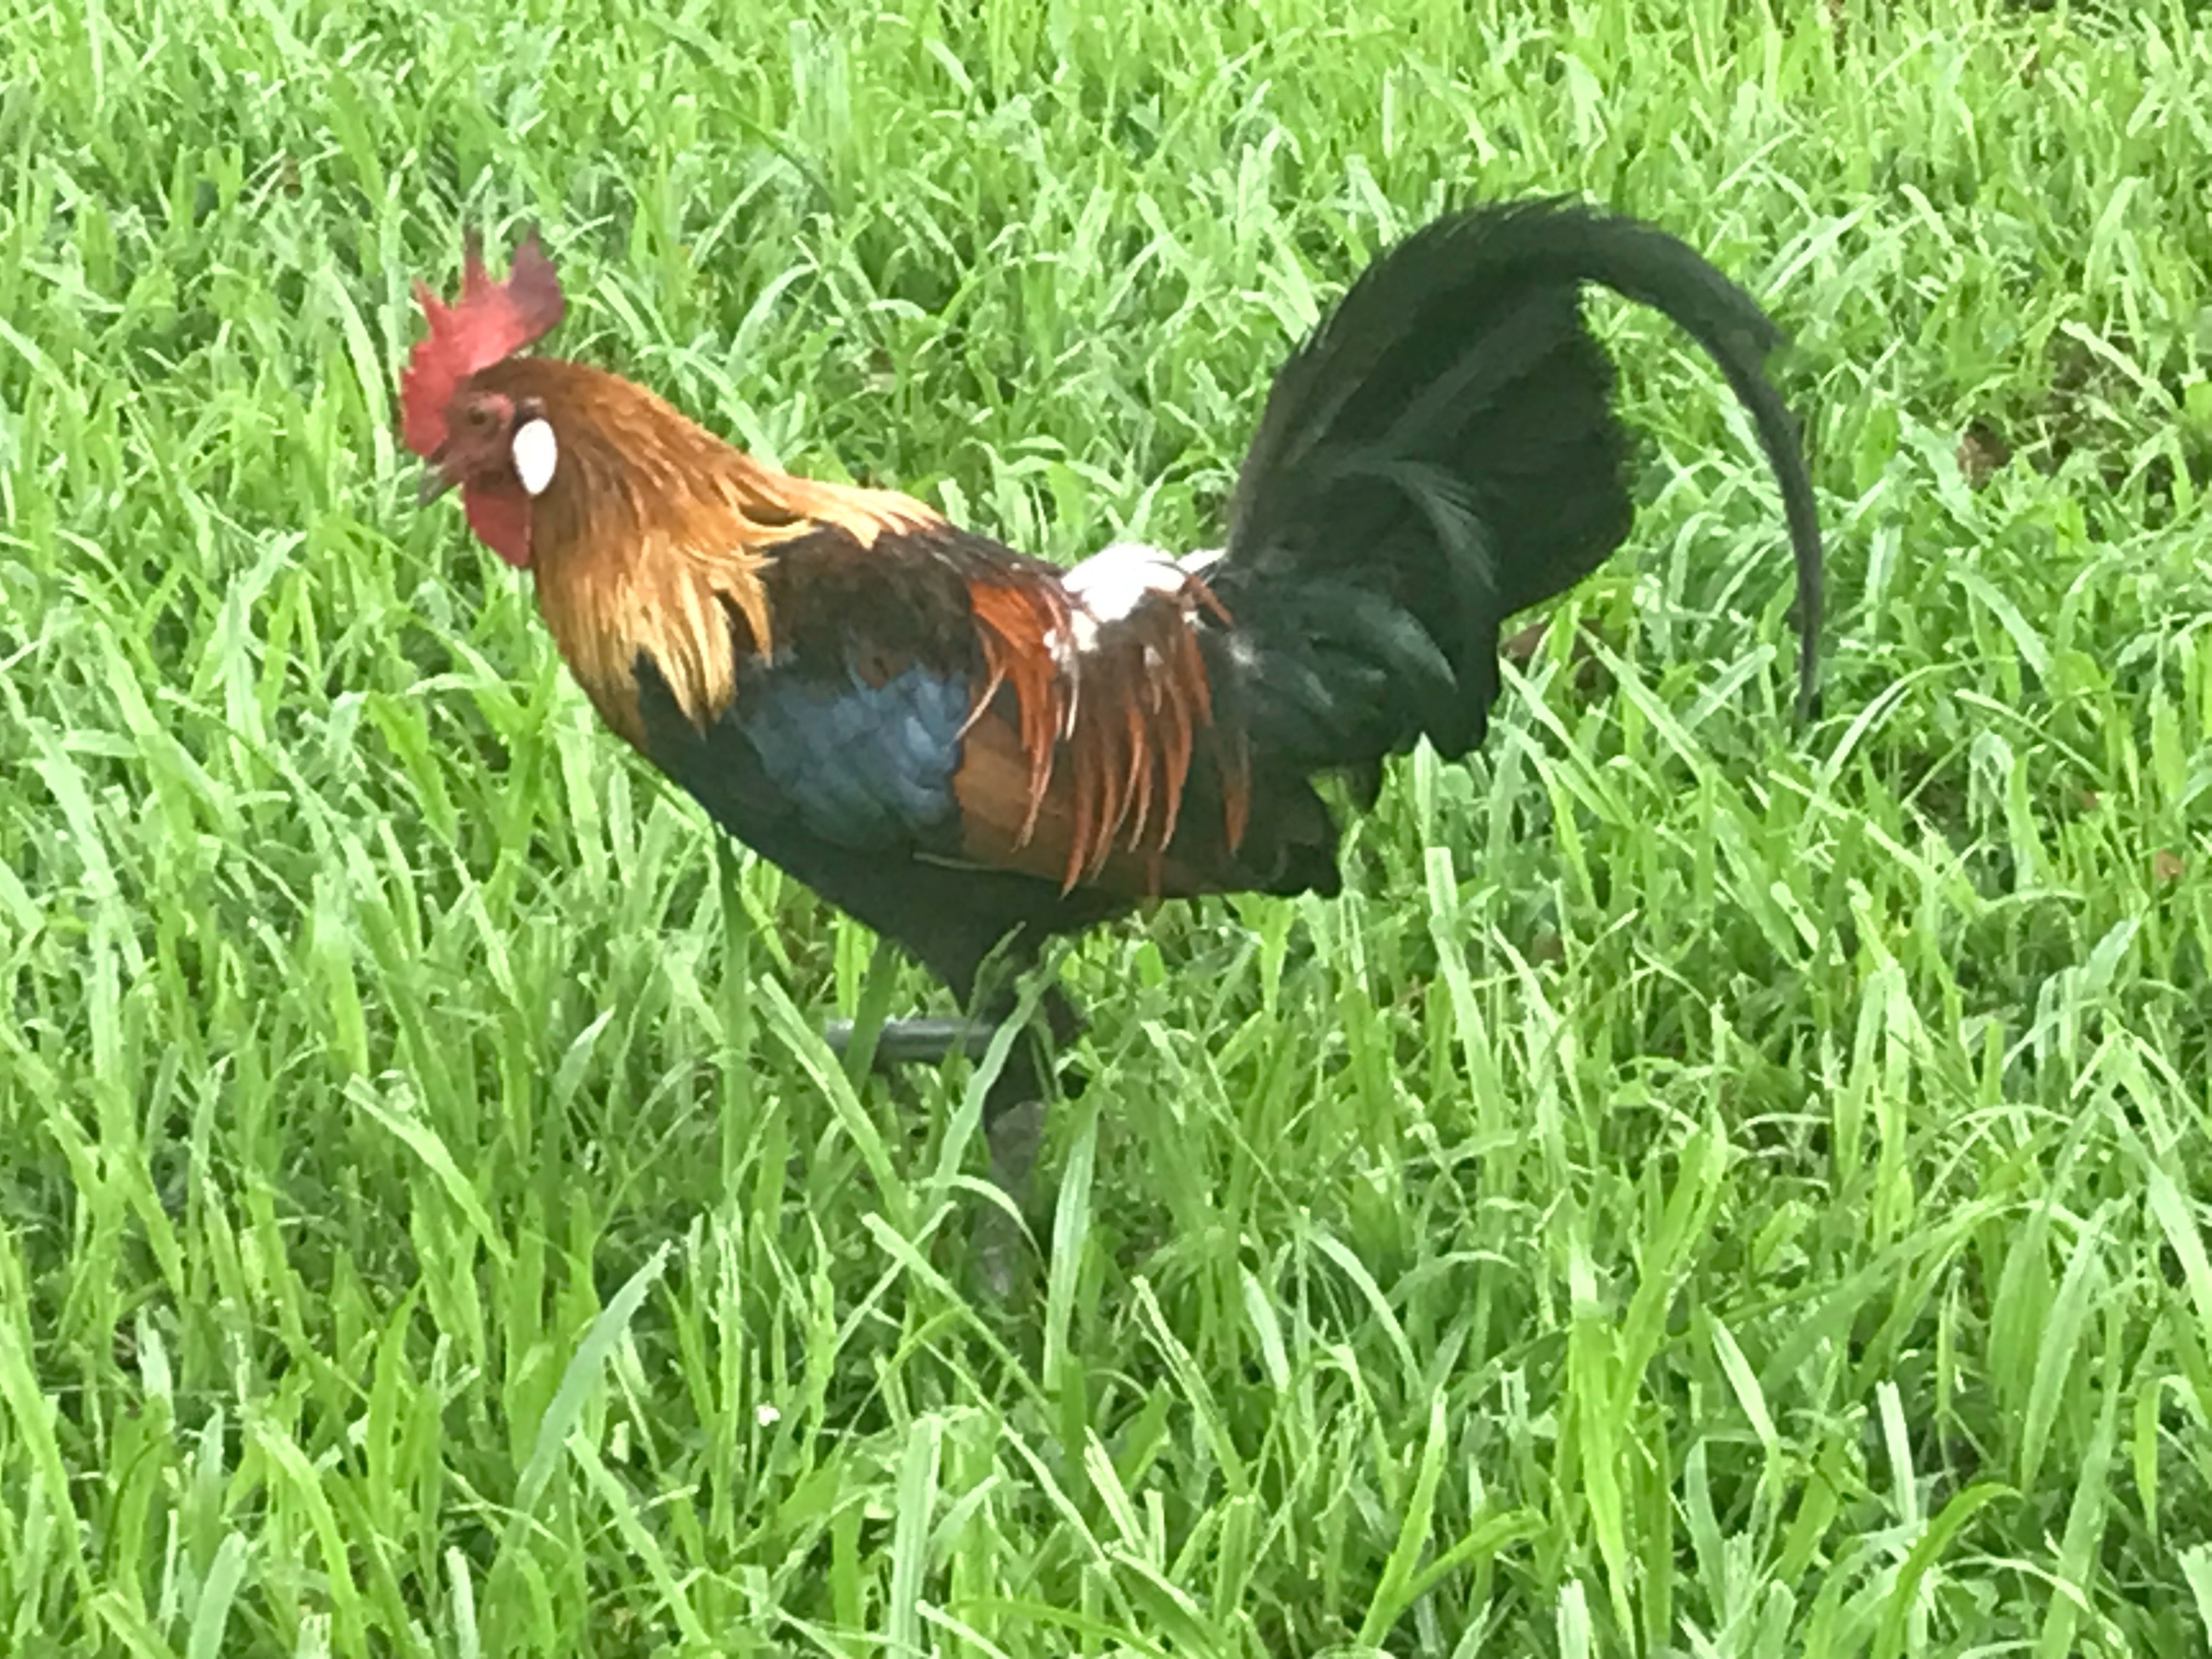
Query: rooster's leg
x=1013 y=1109
x=927 y=1040
x=1014 y=1124
x=918 y=1041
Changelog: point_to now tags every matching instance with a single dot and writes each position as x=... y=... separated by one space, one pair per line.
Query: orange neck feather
x=653 y=534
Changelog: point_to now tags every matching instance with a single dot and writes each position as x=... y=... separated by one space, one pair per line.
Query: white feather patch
x=1111 y=586
x=1117 y=579
x=537 y=452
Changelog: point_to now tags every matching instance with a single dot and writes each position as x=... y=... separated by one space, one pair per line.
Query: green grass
x=1705 y=1189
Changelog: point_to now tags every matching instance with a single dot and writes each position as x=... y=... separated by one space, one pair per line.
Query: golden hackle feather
x=652 y=535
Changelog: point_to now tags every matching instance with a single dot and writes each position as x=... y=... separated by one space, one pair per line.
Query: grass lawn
x=1707 y=1189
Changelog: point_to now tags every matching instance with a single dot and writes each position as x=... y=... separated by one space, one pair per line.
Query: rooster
x=970 y=750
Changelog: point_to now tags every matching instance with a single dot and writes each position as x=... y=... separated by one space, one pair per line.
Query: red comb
x=489 y=320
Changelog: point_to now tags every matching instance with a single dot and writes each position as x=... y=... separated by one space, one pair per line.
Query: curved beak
x=434 y=481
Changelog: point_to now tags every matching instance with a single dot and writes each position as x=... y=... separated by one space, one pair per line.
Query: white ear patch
x=535 y=454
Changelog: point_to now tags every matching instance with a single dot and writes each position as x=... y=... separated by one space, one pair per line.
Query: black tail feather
x=1443 y=452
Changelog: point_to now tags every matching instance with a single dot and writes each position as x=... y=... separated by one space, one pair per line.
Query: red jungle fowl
x=965 y=747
